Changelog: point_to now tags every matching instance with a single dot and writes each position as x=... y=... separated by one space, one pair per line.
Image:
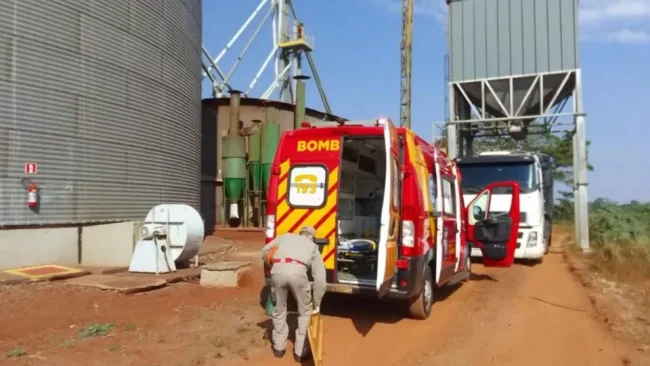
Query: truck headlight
x=532 y=240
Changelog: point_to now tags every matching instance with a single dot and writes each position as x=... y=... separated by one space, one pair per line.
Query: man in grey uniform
x=295 y=254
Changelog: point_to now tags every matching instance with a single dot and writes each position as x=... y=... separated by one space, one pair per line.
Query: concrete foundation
x=31 y=247
x=224 y=274
x=107 y=245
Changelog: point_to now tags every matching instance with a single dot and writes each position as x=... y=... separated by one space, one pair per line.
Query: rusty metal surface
x=215 y=123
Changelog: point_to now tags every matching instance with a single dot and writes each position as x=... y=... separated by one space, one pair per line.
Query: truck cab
x=387 y=207
x=534 y=173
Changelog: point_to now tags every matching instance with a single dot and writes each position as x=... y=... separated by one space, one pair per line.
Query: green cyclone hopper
x=234 y=162
x=270 y=138
x=255 y=160
x=255 y=169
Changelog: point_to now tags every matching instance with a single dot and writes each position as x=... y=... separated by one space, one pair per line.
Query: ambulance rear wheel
x=420 y=306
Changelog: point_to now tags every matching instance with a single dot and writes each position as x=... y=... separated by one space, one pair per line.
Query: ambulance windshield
x=476 y=176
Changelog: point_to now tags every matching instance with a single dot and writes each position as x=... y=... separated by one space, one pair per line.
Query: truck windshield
x=476 y=176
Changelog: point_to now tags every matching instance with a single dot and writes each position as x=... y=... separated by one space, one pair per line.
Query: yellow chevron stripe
x=282 y=189
x=283 y=206
x=294 y=215
x=284 y=167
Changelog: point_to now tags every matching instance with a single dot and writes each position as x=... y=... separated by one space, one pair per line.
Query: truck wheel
x=420 y=306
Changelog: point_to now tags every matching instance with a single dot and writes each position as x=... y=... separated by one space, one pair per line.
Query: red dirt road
x=525 y=315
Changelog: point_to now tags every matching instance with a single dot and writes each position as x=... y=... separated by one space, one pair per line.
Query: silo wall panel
x=499 y=38
x=105 y=97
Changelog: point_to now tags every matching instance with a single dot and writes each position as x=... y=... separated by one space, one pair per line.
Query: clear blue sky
x=357 y=57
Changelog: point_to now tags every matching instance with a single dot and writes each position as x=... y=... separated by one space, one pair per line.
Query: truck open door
x=495 y=233
x=390 y=220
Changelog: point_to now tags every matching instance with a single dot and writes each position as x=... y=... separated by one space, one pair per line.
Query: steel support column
x=452 y=129
x=284 y=35
x=580 y=169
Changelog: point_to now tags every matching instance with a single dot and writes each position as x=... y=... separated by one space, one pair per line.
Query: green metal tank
x=270 y=137
x=255 y=160
x=255 y=171
x=234 y=163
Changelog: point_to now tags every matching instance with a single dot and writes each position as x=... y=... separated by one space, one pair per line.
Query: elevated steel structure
x=513 y=69
x=290 y=45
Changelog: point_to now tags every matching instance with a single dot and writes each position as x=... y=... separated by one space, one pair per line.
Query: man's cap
x=308 y=230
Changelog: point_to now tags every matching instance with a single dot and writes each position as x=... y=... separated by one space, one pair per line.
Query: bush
x=620 y=238
x=613 y=224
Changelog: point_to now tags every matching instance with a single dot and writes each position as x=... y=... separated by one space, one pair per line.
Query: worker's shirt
x=304 y=255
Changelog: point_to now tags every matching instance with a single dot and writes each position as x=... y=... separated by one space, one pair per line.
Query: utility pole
x=406 y=63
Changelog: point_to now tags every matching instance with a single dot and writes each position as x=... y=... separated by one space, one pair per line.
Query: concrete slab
x=101 y=270
x=223 y=274
x=122 y=284
x=46 y=272
x=173 y=277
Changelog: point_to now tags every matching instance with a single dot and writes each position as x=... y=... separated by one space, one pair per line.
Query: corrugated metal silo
x=105 y=97
x=511 y=63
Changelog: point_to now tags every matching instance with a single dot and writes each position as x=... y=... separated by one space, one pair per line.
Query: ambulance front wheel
x=420 y=306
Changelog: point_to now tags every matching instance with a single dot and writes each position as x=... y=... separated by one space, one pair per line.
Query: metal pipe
x=261 y=70
x=235 y=102
x=275 y=83
x=239 y=32
x=299 y=114
x=216 y=67
x=247 y=47
x=319 y=84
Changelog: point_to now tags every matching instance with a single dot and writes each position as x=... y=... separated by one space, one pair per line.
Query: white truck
x=534 y=172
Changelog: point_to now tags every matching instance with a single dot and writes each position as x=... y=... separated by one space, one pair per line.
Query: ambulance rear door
x=387 y=252
x=308 y=190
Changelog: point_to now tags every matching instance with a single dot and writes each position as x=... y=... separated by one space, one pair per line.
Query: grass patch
x=16 y=352
x=67 y=343
x=95 y=330
x=131 y=328
x=625 y=263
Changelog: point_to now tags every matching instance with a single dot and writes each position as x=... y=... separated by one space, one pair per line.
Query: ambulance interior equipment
x=360 y=203
x=171 y=234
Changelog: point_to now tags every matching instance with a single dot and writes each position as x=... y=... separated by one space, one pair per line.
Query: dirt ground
x=525 y=315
